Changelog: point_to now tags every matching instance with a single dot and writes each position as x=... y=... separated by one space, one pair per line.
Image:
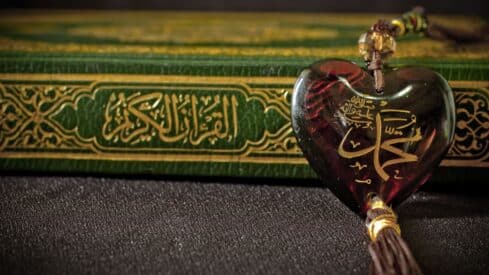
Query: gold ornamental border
x=411 y=49
x=172 y=157
x=121 y=79
x=131 y=78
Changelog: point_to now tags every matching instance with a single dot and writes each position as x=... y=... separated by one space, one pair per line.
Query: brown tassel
x=390 y=253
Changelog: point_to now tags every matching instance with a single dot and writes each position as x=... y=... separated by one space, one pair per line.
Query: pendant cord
x=457 y=36
x=378 y=44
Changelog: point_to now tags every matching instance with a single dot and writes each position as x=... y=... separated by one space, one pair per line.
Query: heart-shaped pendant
x=363 y=143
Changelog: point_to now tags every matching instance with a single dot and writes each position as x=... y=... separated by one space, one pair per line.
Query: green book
x=182 y=93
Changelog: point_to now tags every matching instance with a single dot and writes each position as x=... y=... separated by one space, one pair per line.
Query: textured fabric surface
x=74 y=225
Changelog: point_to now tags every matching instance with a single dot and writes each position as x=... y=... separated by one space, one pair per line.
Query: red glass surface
x=361 y=142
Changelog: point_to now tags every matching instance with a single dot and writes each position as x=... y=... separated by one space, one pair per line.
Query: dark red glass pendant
x=362 y=142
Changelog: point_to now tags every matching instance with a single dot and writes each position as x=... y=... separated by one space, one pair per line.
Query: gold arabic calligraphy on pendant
x=391 y=126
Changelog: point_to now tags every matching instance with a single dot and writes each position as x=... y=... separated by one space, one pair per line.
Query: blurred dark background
x=480 y=7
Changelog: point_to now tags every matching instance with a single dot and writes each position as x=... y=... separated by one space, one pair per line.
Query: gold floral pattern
x=472 y=134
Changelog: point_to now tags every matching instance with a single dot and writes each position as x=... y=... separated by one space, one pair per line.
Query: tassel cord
x=389 y=252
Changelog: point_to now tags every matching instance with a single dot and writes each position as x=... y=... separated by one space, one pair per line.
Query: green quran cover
x=196 y=94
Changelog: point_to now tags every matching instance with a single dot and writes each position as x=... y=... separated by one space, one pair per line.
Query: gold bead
x=401 y=29
x=365 y=46
x=381 y=42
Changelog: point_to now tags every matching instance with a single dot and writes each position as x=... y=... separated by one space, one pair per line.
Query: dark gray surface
x=56 y=225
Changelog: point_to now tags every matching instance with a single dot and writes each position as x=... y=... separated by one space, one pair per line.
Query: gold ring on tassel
x=383 y=221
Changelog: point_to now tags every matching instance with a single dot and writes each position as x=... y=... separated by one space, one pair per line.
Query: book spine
x=180 y=125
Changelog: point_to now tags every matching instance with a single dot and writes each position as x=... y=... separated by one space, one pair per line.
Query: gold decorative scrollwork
x=472 y=133
x=193 y=118
x=25 y=121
